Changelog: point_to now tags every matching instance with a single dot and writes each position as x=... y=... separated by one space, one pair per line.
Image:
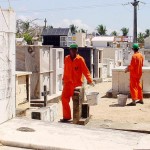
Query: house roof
x=55 y=31
x=103 y=39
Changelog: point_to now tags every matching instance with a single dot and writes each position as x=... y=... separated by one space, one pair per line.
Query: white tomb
x=48 y=113
x=120 y=80
x=7 y=64
x=58 y=65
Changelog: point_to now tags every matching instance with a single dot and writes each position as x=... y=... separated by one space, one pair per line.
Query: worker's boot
x=133 y=103
x=140 y=102
x=64 y=120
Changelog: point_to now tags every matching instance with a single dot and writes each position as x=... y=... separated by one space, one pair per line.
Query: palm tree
x=101 y=29
x=114 y=33
x=147 y=33
x=83 y=31
x=73 y=28
x=50 y=27
x=140 y=38
x=125 y=31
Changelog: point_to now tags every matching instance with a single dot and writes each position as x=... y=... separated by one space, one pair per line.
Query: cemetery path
x=108 y=115
x=46 y=136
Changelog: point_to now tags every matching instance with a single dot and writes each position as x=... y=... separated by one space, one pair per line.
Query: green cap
x=74 y=46
x=135 y=46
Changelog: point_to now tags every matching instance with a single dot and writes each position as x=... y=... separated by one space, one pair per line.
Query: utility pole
x=135 y=4
x=45 y=23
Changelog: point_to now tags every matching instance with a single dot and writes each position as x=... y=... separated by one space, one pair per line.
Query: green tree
x=147 y=33
x=140 y=38
x=114 y=33
x=28 y=29
x=73 y=28
x=28 y=38
x=101 y=29
x=125 y=31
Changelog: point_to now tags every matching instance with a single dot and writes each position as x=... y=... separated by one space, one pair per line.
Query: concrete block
x=41 y=114
x=48 y=113
x=53 y=111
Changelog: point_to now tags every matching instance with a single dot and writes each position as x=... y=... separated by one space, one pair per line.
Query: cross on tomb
x=45 y=93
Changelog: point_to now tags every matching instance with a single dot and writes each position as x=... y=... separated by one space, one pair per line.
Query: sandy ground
x=108 y=115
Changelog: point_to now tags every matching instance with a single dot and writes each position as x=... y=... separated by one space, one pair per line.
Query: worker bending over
x=135 y=69
x=74 y=69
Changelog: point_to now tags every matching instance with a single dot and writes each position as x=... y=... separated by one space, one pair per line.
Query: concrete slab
x=12 y=148
x=144 y=143
x=65 y=136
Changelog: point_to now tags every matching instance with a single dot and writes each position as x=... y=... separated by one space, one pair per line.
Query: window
x=63 y=41
x=60 y=62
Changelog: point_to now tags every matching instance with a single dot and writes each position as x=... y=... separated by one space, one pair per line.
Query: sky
x=87 y=14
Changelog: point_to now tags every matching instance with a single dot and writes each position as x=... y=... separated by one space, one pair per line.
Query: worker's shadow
x=115 y=105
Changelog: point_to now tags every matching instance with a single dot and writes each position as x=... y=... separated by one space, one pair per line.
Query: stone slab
x=144 y=143
x=65 y=136
x=12 y=148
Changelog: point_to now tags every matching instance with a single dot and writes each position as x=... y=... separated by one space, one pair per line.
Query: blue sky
x=83 y=13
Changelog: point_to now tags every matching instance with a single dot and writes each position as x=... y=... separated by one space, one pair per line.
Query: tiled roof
x=55 y=31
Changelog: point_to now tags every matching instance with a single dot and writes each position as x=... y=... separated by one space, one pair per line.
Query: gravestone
x=80 y=109
x=7 y=64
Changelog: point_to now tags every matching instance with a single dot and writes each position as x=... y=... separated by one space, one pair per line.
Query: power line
x=135 y=4
x=69 y=8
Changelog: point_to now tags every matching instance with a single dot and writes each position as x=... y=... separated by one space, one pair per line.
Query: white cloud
x=77 y=22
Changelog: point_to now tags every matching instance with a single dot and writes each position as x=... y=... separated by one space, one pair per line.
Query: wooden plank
x=84 y=121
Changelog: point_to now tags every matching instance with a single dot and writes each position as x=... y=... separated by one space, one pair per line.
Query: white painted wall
x=99 y=43
x=120 y=80
x=147 y=43
x=58 y=67
x=80 y=39
x=7 y=64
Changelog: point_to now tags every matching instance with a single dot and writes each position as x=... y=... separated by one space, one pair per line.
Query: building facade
x=58 y=37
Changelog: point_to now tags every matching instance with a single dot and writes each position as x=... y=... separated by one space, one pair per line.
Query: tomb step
x=36 y=105
x=37 y=101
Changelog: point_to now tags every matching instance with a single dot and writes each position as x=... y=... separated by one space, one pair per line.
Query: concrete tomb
x=7 y=64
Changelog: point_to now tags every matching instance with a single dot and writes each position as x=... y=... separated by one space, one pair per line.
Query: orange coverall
x=135 y=69
x=73 y=77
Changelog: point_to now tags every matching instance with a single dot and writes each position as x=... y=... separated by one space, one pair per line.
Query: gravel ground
x=108 y=115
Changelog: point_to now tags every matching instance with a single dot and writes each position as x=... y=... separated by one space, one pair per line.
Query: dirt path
x=108 y=115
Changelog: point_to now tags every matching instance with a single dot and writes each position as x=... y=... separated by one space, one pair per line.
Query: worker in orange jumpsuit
x=74 y=69
x=135 y=69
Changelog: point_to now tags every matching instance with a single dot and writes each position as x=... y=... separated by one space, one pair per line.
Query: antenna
x=9 y=4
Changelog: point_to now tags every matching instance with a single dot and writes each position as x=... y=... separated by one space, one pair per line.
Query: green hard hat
x=135 y=46
x=74 y=46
